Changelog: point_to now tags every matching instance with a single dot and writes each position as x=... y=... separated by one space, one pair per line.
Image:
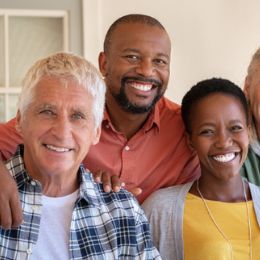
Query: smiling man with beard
x=142 y=140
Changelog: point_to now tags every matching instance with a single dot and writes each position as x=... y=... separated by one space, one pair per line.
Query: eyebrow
x=45 y=106
x=234 y=121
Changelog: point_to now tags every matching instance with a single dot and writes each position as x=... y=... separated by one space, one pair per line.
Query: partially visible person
x=251 y=167
x=217 y=216
x=66 y=214
x=136 y=143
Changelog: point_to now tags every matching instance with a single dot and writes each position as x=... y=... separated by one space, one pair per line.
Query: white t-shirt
x=53 y=240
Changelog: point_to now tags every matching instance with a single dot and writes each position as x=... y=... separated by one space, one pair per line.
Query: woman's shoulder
x=164 y=198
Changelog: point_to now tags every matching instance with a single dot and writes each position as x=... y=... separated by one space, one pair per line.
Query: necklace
x=221 y=231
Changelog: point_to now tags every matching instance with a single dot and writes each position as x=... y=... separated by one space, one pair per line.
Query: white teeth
x=142 y=87
x=57 y=149
x=225 y=158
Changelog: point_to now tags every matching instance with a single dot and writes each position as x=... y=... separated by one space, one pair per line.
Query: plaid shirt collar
x=87 y=190
x=103 y=225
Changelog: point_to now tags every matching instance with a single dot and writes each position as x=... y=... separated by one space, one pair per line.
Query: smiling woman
x=216 y=120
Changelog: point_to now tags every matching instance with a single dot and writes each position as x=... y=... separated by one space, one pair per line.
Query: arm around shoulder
x=10 y=207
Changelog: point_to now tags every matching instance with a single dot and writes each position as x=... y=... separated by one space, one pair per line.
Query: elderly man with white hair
x=66 y=214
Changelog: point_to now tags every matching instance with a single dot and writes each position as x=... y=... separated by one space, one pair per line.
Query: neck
x=54 y=183
x=123 y=121
x=230 y=190
x=57 y=187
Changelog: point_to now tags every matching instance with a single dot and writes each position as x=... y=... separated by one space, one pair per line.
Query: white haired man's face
x=58 y=128
x=252 y=91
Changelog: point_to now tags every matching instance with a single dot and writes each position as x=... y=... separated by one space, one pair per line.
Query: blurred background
x=210 y=38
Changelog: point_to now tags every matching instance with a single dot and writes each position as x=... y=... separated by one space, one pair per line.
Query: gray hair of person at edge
x=65 y=66
x=130 y=18
x=208 y=87
x=254 y=65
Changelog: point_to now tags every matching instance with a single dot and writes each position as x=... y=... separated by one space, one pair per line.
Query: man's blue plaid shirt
x=103 y=226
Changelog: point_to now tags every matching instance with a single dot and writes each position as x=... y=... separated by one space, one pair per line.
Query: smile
x=57 y=149
x=142 y=87
x=224 y=157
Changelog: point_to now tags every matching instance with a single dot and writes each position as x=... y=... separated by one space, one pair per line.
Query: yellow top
x=203 y=241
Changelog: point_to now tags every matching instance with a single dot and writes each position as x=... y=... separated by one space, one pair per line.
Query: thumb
x=135 y=191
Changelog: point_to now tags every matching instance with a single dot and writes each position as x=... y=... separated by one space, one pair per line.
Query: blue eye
x=78 y=116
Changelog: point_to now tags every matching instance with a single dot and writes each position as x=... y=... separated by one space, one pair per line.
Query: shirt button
x=107 y=126
x=33 y=183
x=127 y=148
x=29 y=251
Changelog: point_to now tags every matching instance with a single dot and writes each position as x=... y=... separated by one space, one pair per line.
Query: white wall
x=209 y=37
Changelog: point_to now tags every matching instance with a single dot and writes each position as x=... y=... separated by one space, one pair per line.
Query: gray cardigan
x=164 y=209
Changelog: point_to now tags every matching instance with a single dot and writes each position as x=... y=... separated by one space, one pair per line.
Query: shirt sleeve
x=145 y=247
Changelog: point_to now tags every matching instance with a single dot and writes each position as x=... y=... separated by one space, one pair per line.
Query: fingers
x=16 y=211
x=116 y=183
x=110 y=183
x=10 y=207
x=97 y=176
x=106 y=180
x=135 y=191
x=5 y=214
x=10 y=212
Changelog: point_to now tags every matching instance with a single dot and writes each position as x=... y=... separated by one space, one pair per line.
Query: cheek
x=255 y=95
x=165 y=76
x=201 y=148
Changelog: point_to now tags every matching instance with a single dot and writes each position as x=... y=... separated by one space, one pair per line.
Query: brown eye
x=206 y=132
x=160 y=62
x=237 y=128
x=132 y=58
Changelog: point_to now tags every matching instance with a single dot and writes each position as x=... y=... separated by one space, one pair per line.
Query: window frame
x=6 y=90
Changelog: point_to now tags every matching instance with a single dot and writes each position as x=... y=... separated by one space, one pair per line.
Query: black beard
x=125 y=103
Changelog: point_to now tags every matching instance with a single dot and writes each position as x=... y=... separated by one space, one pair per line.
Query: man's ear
x=96 y=136
x=102 y=63
x=246 y=88
x=18 y=122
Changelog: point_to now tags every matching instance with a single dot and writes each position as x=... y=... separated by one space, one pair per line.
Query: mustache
x=155 y=82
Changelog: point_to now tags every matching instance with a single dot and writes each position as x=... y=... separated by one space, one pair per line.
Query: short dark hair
x=205 y=88
x=130 y=18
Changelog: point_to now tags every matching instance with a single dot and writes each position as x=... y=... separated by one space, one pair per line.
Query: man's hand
x=113 y=183
x=135 y=191
x=109 y=182
x=10 y=207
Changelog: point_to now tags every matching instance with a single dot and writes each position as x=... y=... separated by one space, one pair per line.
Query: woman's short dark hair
x=205 y=88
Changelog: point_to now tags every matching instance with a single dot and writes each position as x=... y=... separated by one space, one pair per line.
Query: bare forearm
x=10 y=208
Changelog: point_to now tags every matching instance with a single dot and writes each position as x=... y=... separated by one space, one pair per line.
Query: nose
x=145 y=67
x=61 y=127
x=223 y=140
